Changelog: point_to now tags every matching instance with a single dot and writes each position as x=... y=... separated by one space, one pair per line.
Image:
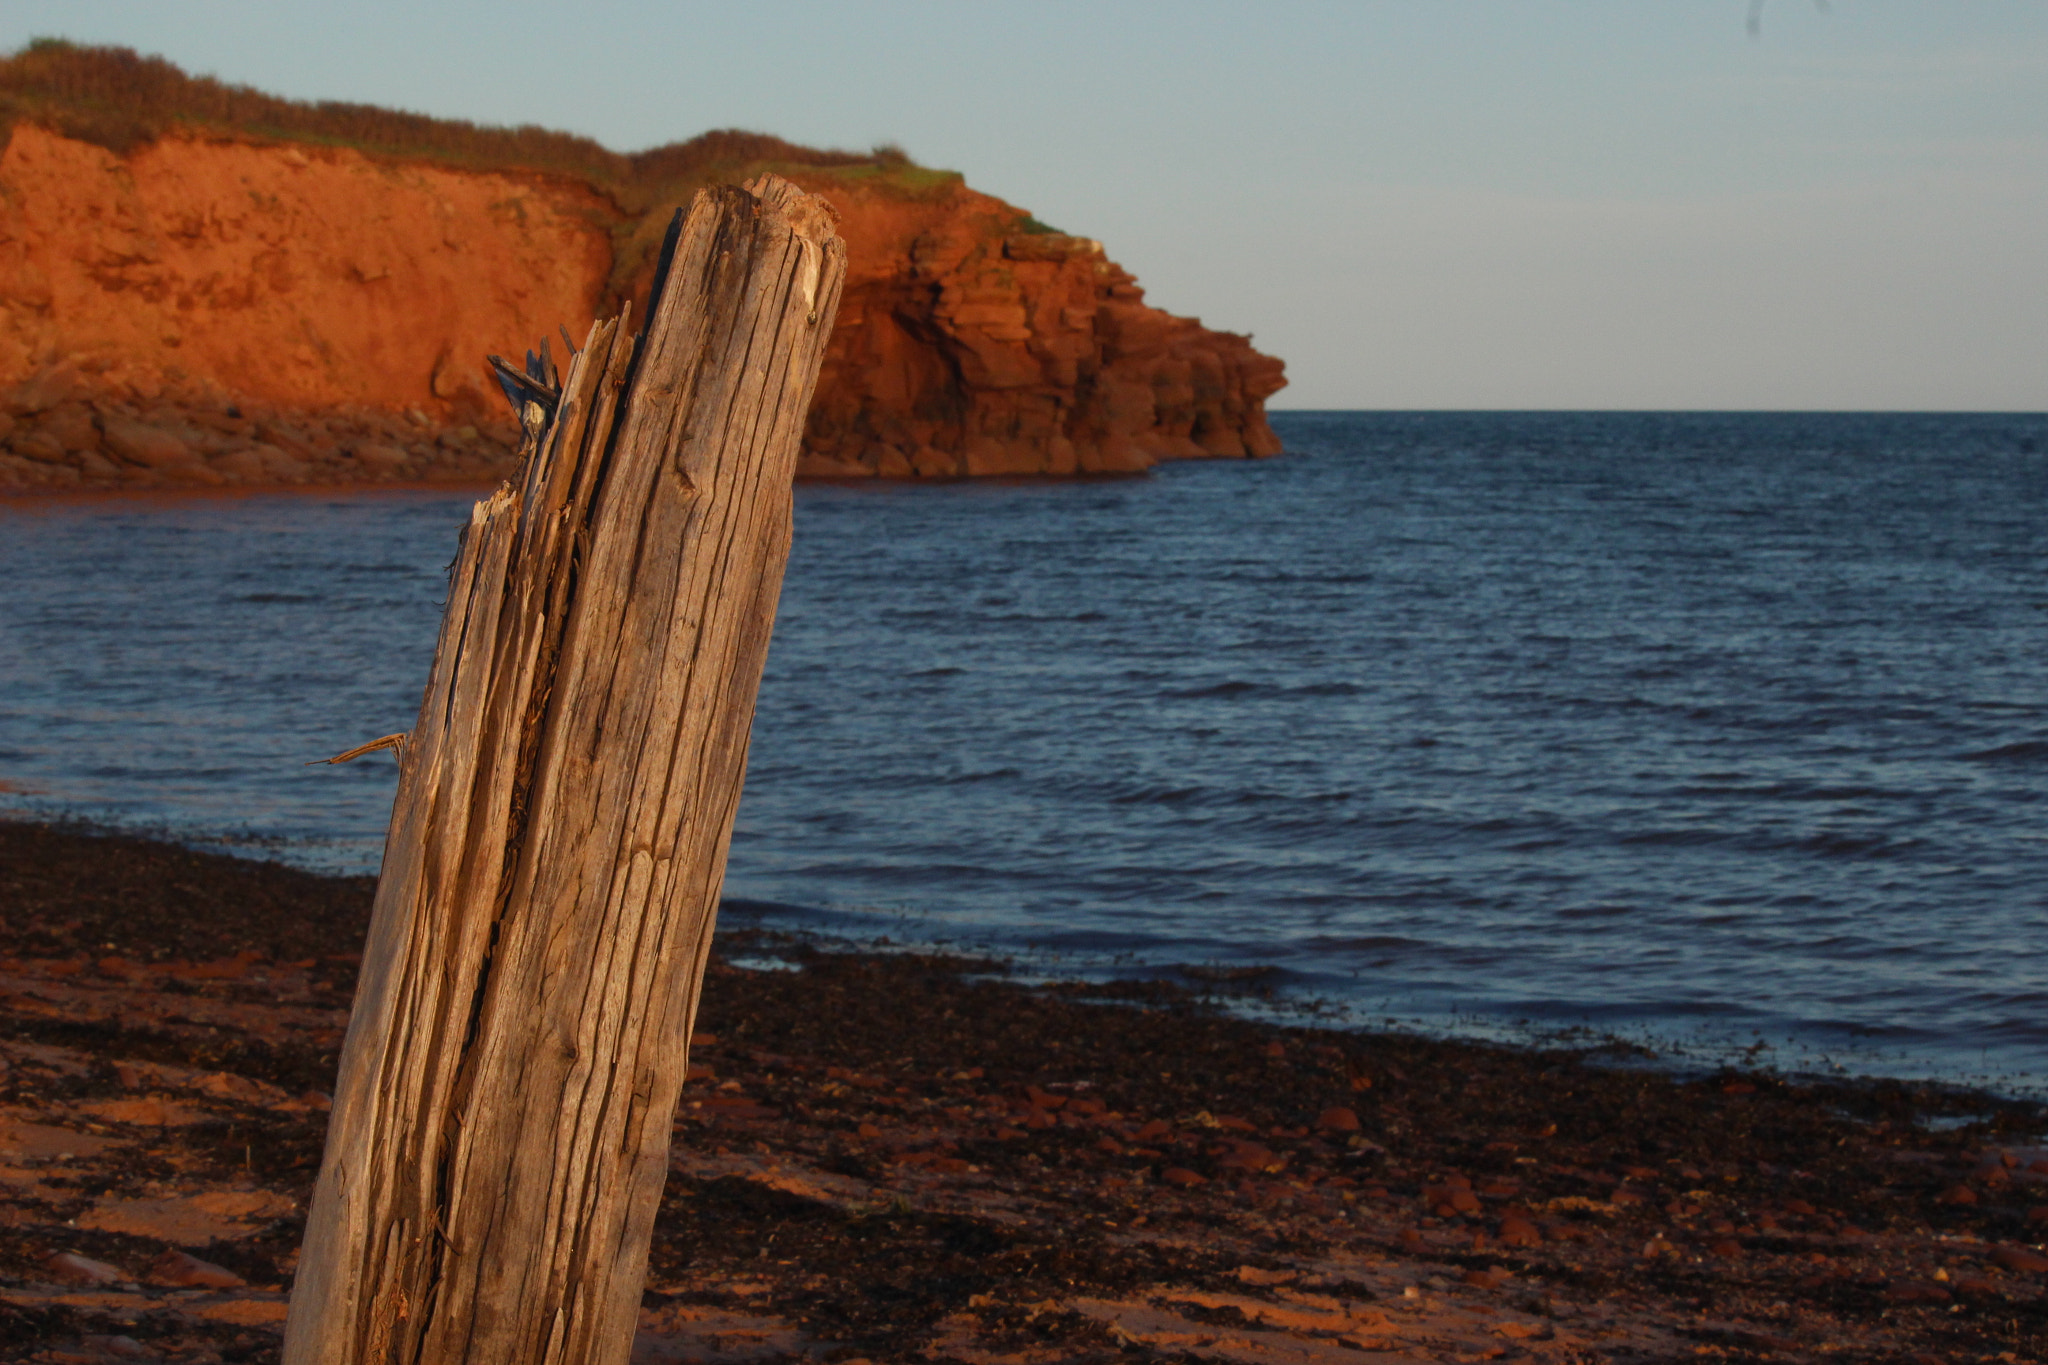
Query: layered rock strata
x=214 y=310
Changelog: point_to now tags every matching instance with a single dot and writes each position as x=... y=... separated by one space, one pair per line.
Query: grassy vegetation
x=117 y=99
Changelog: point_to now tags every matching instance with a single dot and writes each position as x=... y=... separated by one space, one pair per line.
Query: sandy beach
x=899 y=1157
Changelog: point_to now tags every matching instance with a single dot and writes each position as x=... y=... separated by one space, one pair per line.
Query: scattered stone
x=68 y=1267
x=1181 y=1176
x=1447 y=1200
x=241 y=466
x=1338 y=1120
x=1959 y=1194
x=189 y=1220
x=151 y=447
x=1915 y=1291
x=42 y=391
x=185 y=1271
x=1519 y=1232
x=39 y=446
x=2020 y=1260
x=381 y=459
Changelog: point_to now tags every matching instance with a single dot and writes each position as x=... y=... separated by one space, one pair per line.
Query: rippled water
x=1666 y=723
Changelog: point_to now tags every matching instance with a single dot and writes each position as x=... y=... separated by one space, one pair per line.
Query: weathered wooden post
x=501 y=1125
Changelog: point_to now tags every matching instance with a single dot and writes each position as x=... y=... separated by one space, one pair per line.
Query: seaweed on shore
x=902 y=1156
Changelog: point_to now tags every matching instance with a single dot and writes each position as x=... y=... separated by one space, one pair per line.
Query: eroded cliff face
x=968 y=347
x=303 y=276
x=160 y=312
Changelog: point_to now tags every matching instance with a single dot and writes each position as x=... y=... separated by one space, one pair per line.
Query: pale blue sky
x=1424 y=204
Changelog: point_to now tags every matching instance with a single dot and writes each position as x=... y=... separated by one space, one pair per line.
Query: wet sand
x=901 y=1157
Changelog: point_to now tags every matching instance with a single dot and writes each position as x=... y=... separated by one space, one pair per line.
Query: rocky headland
x=200 y=284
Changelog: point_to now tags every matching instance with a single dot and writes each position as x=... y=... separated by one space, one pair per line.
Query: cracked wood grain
x=501 y=1123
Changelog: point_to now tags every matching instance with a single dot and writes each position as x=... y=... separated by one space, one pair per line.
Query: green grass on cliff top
x=119 y=100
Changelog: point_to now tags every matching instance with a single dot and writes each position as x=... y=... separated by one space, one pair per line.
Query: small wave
x=1676 y=838
x=1157 y=796
x=1832 y=844
x=982 y=775
x=1595 y=911
x=268 y=597
x=1366 y=943
x=2025 y=751
x=1233 y=688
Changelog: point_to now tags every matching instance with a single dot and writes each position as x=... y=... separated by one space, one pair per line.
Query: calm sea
x=1709 y=731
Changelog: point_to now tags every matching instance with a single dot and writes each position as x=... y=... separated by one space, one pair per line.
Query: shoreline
x=897 y=1156
x=1269 y=993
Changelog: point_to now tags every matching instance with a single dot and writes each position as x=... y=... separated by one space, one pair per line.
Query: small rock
x=1490 y=1278
x=2038 y=1217
x=68 y=1267
x=285 y=438
x=1251 y=1274
x=175 y=1267
x=240 y=466
x=381 y=459
x=44 y=391
x=73 y=427
x=1413 y=1241
x=2020 y=1260
x=1726 y=1247
x=1959 y=1194
x=1519 y=1232
x=39 y=446
x=1450 y=1199
x=151 y=447
x=1915 y=1291
x=1338 y=1120
x=1181 y=1176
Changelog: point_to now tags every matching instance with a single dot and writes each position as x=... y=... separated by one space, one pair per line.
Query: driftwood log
x=501 y=1124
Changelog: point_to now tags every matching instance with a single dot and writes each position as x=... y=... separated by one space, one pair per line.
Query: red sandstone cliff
x=214 y=309
x=966 y=346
